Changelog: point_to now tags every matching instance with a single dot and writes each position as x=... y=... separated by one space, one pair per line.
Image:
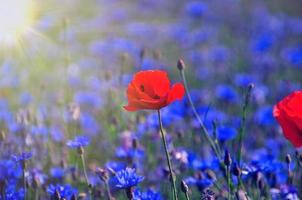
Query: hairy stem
x=173 y=181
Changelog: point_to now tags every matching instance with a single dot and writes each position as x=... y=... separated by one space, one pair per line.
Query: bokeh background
x=65 y=74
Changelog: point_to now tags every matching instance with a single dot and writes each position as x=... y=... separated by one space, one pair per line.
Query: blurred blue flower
x=22 y=157
x=57 y=172
x=263 y=42
x=115 y=166
x=264 y=116
x=201 y=184
x=243 y=80
x=146 y=195
x=293 y=55
x=127 y=178
x=65 y=191
x=89 y=123
x=78 y=141
x=56 y=133
x=196 y=9
x=227 y=93
x=225 y=133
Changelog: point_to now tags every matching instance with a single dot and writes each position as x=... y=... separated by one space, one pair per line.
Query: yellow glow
x=16 y=18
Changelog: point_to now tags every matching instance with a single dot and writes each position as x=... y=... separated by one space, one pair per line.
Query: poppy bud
x=227 y=158
x=184 y=187
x=181 y=64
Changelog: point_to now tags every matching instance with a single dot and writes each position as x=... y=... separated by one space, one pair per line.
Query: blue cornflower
x=115 y=166
x=225 y=133
x=201 y=184
x=89 y=124
x=22 y=157
x=122 y=152
x=263 y=42
x=77 y=142
x=9 y=170
x=57 y=172
x=227 y=93
x=147 y=195
x=293 y=55
x=12 y=193
x=127 y=178
x=264 y=116
x=196 y=9
x=65 y=191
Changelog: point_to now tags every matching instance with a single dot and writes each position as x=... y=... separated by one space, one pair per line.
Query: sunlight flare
x=16 y=19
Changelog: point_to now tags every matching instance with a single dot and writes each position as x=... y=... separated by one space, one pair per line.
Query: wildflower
x=78 y=142
x=147 y=195
x=226 y=133
x=127 y=178
x=63 y=191
x=22 y=157
x=288 y=113
x=151 y=90
x=196 y=9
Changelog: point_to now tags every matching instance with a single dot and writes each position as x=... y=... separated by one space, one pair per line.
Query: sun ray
x=16 y=19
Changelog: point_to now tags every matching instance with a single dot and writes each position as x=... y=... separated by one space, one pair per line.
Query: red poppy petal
x=176 y=93
x=290 y=130
x=130 y=108
x=160 y=82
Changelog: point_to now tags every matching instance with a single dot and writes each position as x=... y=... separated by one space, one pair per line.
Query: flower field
x=150 y=100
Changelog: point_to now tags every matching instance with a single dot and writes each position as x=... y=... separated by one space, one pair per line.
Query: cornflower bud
x=227 y=158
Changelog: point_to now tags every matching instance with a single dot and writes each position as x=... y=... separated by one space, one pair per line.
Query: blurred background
x=65 y=66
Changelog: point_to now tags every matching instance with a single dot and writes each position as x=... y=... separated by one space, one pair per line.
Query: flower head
x=127 y=178
x=288 y=113
x=147 y=195
x=77 y=142
x=151 y=90
x=64 y=191
x=22 y=157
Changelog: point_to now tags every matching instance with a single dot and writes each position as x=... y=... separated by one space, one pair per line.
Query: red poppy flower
x=288 y=113
x=151 y=90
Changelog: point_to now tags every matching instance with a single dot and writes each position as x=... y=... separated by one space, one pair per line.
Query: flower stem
x=187 y=196
x=108 y=190
x=24 y=179
x=167 y=156
x=243 y=119
x=85 y=174
x=204 y=130
x=229 y=182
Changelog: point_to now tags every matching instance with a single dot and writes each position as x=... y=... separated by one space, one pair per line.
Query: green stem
x=229 y=182
x=205 y=131
x=108 y=190
x=24 y=179
x=167 y=156
x=243 y=120
x=187 y=196
x=85 y=174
